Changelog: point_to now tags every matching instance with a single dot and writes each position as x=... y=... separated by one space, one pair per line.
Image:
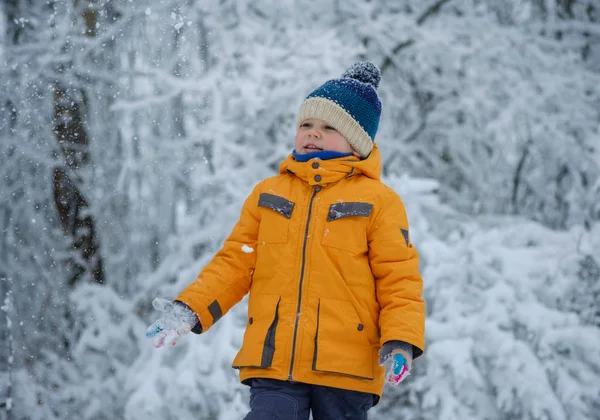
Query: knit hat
x=350 y=105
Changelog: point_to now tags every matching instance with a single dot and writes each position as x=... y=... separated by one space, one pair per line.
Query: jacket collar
x=321 y=172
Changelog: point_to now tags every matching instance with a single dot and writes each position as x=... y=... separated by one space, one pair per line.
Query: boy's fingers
x=161 y=304
x=399 y=364
x=159 y=340
x=168 y=329
x=394 y=378
x=153 y=330
x=171 y=338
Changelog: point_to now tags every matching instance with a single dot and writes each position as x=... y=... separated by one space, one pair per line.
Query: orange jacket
x=323 y=249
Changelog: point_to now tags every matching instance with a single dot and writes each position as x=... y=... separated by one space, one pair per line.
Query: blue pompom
x=365 y=72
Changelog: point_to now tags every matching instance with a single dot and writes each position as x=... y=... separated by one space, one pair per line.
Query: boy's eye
x=328 y=127
x=305 y=125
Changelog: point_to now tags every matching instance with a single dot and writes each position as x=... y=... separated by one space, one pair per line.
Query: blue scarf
x=321 y=154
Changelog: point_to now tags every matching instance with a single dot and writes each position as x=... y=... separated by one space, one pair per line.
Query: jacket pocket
x=258 y=347
x=341 y=342
x=346 y=226
x=276 y=213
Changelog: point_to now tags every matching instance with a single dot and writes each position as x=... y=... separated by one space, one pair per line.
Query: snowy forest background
x=132 y=131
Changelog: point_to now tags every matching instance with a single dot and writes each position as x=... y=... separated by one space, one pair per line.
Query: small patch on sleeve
x=405 y=234
x=215 y=310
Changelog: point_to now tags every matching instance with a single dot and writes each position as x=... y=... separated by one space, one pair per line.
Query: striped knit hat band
x=350 y=105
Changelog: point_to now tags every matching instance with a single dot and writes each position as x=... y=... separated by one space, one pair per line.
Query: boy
x=323 y=249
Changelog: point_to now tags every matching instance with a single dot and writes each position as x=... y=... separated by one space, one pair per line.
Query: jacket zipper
x=315 y=191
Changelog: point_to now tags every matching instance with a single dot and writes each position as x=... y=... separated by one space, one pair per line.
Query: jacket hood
x=334 y=170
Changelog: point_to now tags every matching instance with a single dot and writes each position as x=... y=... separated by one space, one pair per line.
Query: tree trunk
x=71 y=205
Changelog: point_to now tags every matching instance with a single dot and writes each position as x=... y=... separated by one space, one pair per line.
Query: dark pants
x=282 y=400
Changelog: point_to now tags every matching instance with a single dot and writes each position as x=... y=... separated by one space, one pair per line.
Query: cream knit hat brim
x=338 y=118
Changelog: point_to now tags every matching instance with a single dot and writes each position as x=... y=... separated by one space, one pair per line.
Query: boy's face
x=315 y=135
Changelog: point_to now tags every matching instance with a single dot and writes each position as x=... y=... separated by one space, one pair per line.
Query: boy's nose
x=314 y=133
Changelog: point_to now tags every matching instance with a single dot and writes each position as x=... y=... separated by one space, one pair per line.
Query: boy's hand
x=176 y=321
x=398 y=366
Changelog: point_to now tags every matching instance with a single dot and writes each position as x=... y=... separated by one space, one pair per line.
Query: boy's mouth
x=312 y=148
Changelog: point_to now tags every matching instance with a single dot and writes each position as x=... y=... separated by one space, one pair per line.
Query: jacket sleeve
x=226 y=279
x=398 y=283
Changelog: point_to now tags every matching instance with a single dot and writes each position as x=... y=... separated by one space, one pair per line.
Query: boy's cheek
x=298 y=144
